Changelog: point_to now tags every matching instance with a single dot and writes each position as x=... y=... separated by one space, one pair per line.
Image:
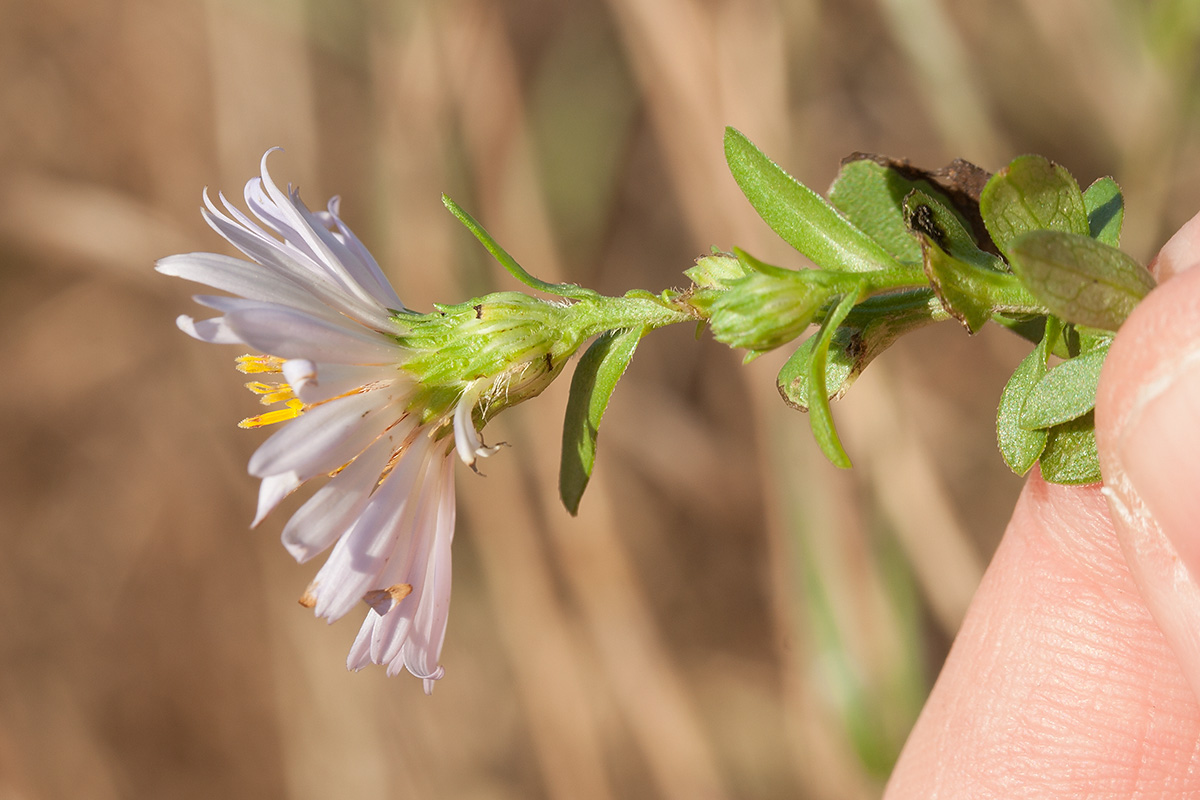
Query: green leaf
x=871 y=195
x=1031 y=193
x=1019 y=447
x=1106 y=211
x=971 y=284
x=820 y=417
x=1064 y=393
x=880 y=322
x=1080 y=279
x=592 y=386
x=509 y=263
x=1070 y=455
x=925 y=216
x=799 y=215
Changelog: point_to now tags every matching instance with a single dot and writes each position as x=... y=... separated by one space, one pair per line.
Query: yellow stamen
x=294 y=409
x=277 y=396
x=271 y=392
x=251 y=364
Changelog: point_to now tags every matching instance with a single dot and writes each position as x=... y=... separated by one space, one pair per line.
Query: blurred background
x=729 y=616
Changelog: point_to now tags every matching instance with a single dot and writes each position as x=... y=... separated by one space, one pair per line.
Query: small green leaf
x=925 y=216
x=1080 y=279
x=871 y=195
x=841 y=368
x=820 y=417
x=1031 y=193
x=509 y=263
x=881 y=321
x=1064 y=393
x=592 y=386
x=1019 y=447
x=799 y=215
x=971 y=284
x=1106 y=211
x=1070 y=455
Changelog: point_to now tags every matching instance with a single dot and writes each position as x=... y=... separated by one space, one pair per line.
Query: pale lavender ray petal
x=361 y=556
x=332 y=510
x=294 y=266
x=263 y=207
x=424 y=645
x=413 y=548
x=385 y=293
x=370 y=280
x=287 y=334
x=213 y=331
x=294 y=213
x=334 y=380
x=242 y=278
x=360 y=652
x=225 y=304
x=271 y=491
x=299 y=373
x=327 y=436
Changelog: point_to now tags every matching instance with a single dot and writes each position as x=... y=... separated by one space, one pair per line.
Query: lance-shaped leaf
x=870 y=329
x=1019 y=447
x=592 y=386
x=1105 y=210
x=820 y=417
x=1031 y=193
x=508 y=262
x=1080 y=279
x=1070 y=455
x=799 y=215
x=971 y=284
x=1066 y=392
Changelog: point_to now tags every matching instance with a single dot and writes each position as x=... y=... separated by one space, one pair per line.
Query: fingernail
x=1159 y=453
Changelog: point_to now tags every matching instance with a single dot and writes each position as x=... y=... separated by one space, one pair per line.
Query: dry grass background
x=728 y=616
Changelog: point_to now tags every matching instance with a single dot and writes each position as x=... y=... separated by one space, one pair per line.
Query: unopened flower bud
x=763 y=310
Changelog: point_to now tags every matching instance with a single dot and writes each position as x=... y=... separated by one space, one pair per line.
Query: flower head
x=370 y=395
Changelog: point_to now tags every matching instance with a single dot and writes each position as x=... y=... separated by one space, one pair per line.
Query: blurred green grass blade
x=800 y=216
x=1019 y=447
x=592 y=386
x=1064 y=393
x=1070 y=455
x=820 y=416
x=1031 y=193
x=1105 y=207
x=508 y=262
x=1080 y=279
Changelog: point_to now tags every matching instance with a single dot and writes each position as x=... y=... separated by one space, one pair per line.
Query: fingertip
x=1148 y=438
x=1180 y=253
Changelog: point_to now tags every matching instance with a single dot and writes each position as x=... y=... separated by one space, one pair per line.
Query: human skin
x=1077 y=669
